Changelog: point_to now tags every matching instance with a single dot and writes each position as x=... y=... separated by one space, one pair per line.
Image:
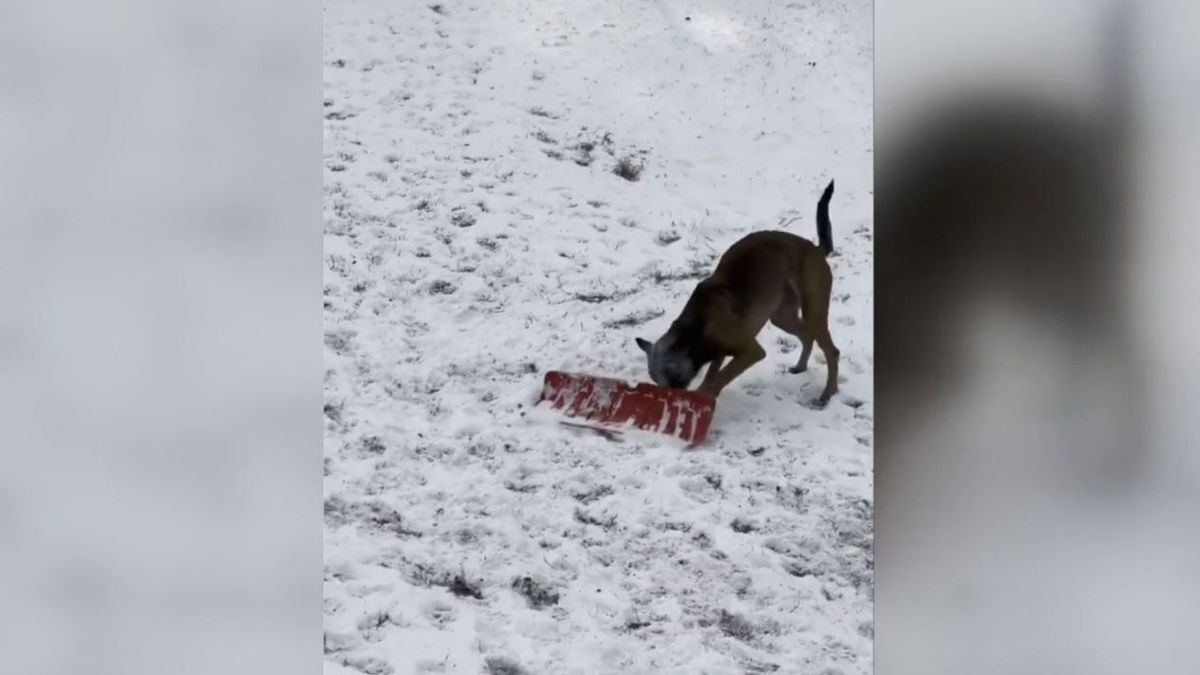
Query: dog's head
x=670 y=365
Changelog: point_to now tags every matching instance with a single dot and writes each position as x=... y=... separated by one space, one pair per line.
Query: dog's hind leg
x=815 y=303
x=787 y=319
x=831 y=360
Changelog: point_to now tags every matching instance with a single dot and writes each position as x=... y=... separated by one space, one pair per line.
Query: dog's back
x=764 y=253
x=749 y=279
x=773 y=266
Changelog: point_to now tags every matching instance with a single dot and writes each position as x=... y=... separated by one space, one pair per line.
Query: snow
x=473 y=242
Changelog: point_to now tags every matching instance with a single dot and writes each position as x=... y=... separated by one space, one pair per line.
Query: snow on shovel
x=606 y=404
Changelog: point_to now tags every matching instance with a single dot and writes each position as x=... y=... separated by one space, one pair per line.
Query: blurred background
x=160 y=337
x=1036 y=461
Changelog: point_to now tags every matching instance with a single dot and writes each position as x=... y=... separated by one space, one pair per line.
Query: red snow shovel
x=605 y=403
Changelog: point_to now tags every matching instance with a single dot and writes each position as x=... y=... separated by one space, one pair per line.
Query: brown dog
x=765 y=276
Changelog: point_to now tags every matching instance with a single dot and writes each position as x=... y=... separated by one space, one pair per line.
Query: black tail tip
x=828 y=189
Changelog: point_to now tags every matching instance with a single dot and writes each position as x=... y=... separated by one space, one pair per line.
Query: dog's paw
x=797 y=369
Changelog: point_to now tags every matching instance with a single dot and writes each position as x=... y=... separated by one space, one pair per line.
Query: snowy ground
x=476 y=235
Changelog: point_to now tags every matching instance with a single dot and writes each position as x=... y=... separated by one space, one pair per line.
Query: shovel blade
x=605 y=403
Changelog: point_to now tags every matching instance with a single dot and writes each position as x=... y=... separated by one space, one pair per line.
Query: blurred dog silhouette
x=1014 y=199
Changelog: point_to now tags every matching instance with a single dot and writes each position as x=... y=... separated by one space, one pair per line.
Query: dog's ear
x=645 y=345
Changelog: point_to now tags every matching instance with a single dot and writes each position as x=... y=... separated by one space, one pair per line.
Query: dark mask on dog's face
x=668 y=367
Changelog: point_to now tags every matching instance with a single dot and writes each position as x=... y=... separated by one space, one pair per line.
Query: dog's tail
x=824 y=227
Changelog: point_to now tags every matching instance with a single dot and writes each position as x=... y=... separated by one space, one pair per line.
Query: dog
x=765 y=276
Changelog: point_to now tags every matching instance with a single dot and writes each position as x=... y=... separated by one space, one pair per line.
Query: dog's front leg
x=742 y=359
x=710 y=376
